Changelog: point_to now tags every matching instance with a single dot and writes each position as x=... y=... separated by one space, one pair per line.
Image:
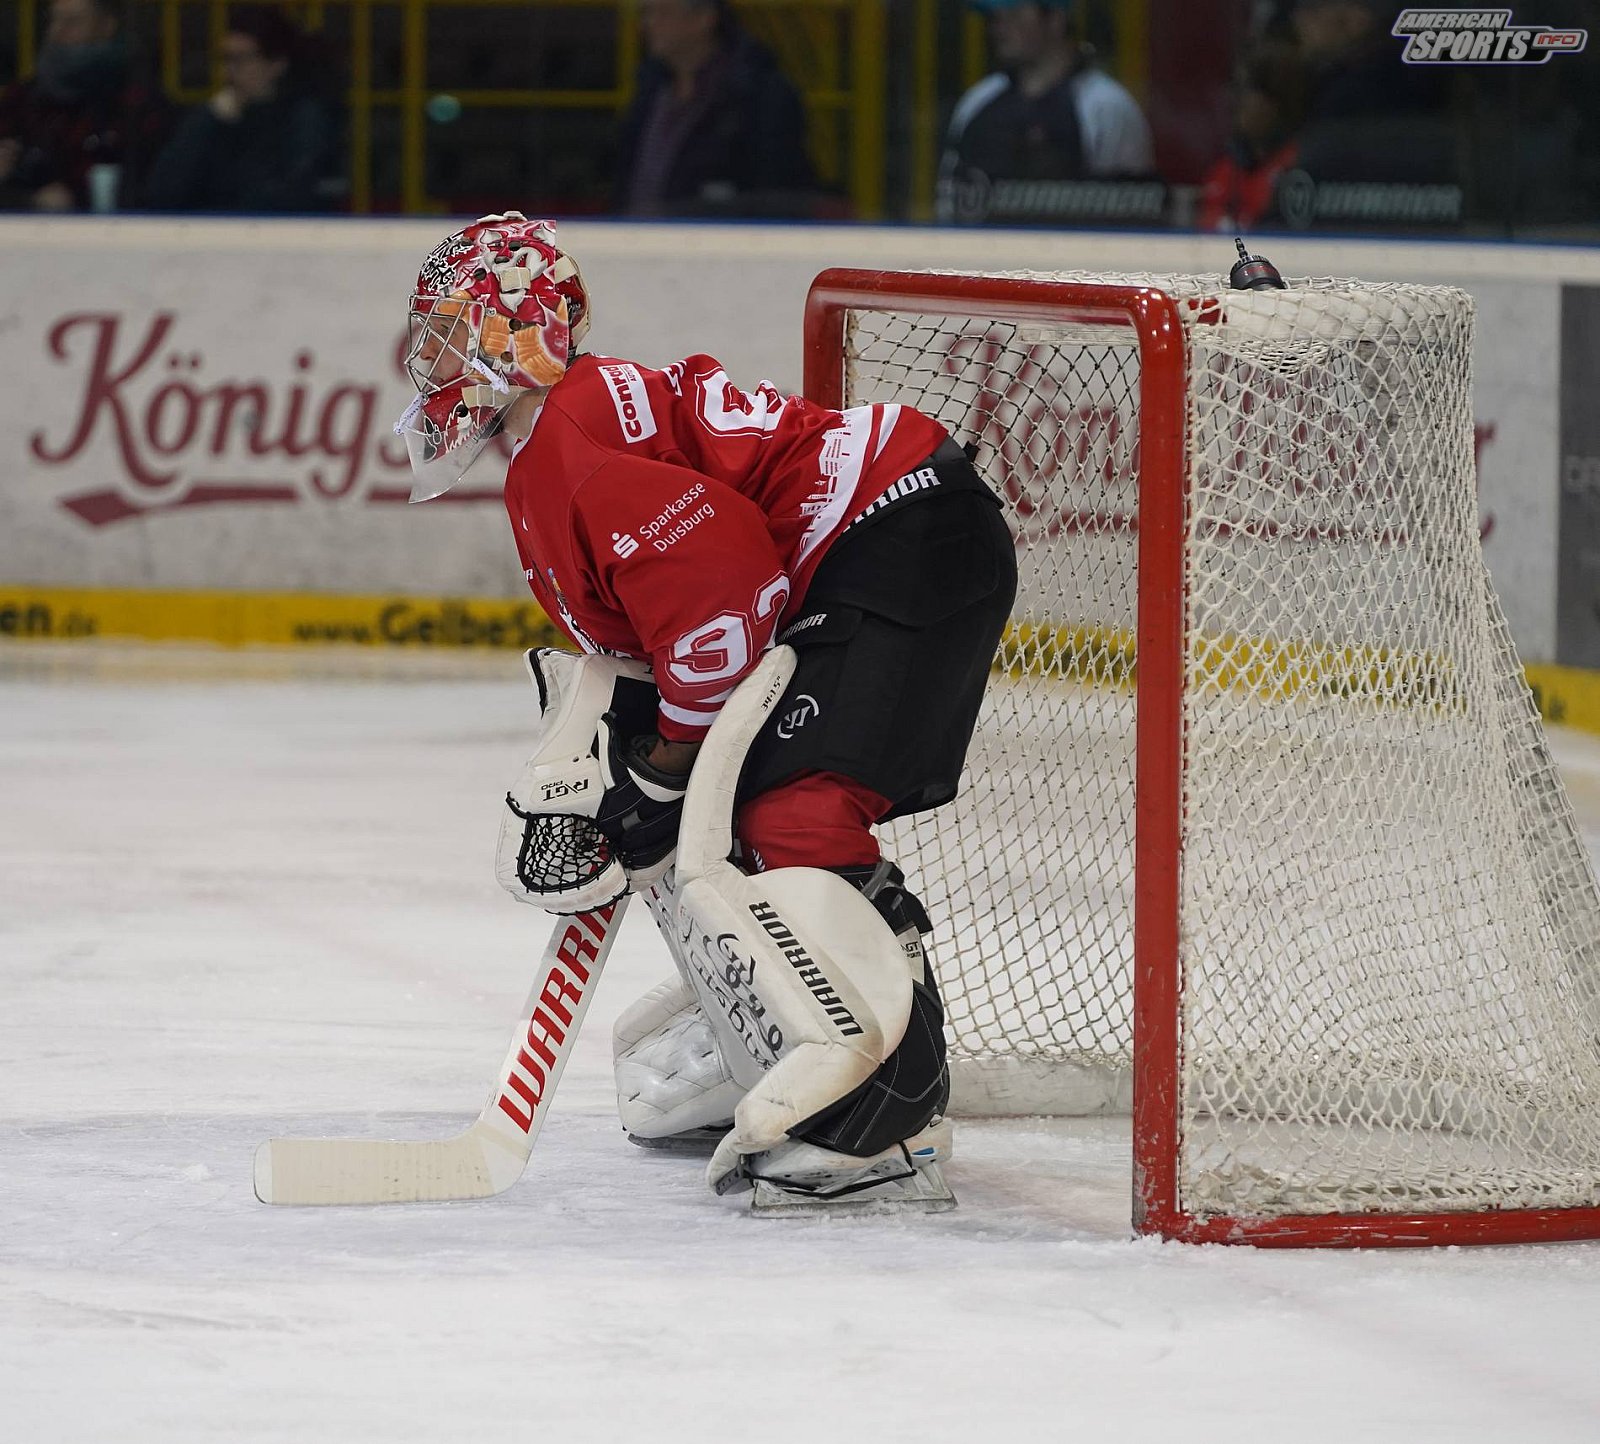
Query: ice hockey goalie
x=819 y=591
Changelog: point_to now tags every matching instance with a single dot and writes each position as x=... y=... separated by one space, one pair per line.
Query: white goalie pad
x=827 y=975
x=671 y=1076
x=671 y=1079
x=803 y=982
x=550 y=852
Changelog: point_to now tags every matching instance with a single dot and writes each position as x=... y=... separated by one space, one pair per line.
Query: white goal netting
x=1389 y=925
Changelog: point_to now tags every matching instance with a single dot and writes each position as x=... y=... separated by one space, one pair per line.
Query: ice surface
x=242 y=894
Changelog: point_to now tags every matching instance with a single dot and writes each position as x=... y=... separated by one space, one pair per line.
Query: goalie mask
x=498 y=310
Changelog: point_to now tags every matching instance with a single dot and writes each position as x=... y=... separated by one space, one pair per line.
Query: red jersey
x=669 y=516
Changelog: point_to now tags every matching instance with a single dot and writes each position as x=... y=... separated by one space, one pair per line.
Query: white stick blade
x=490 y=1155
x=340 y=1170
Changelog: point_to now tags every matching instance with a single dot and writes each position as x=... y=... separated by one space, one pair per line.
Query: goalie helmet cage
x=1260 y=826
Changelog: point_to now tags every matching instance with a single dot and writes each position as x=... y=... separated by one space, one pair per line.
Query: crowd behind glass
x=1246 y=114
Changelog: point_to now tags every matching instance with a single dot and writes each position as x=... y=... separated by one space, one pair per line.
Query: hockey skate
x=798 y=1177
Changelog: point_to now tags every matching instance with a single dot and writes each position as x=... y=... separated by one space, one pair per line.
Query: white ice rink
x=238 y=899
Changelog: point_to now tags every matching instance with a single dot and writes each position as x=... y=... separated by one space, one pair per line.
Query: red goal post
x=1160 y=388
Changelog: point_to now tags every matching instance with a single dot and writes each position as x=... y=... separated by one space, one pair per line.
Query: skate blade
x=924 y=1191
x=699 y=1142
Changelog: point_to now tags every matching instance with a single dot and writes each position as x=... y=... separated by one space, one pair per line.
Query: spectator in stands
x=1238 y=193
x=1368 y=116
x=77 y=134
x=715 y=128
x=266 y=141
x=1532 y=150
x=1047 y=114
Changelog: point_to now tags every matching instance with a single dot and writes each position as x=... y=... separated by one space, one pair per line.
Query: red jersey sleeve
x=690 y=563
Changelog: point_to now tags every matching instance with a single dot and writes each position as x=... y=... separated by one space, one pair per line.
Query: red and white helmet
x=498 y=309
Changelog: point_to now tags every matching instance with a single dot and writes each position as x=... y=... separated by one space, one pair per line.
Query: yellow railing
x=834 y=50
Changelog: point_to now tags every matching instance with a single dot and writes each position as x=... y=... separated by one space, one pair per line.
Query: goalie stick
x=490 y=1155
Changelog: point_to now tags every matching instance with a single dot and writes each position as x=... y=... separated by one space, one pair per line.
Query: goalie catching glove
x=589 y=818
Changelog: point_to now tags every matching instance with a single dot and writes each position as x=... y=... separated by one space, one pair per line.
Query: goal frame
x=1159 y=738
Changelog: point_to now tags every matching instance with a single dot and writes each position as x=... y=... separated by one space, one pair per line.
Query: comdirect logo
x=626 y=386
x=1480 y=37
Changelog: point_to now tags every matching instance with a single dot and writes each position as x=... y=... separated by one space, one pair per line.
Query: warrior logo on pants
x=804 y=709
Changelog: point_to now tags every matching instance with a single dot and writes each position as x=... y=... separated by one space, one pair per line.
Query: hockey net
x=1376 y=996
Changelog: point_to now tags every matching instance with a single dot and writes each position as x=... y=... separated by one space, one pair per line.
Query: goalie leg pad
x=673 y=1084
x=909 y=1090
x=818 y=986
x=671 y=1080
x=829 y=981
x=912 y=1087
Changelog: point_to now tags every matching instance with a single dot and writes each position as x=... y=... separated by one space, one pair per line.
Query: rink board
x=1568 y=695
x=213 y=412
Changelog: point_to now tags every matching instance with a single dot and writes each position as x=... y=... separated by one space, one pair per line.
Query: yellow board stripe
x=1095 y=656
x=1567 y=695
x=1272 y=670
x=241 y=619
